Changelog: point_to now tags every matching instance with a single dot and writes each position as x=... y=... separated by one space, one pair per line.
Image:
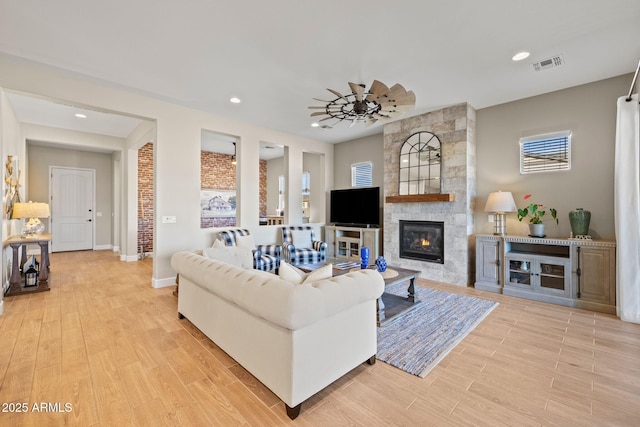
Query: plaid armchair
x=265 y=257
x=299 y=246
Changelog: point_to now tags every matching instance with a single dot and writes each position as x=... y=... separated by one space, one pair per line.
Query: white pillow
x=301 y=239
x=240 y=257
x=218 y=244
x=245 y=241
x=325 y=272
x=296 y=276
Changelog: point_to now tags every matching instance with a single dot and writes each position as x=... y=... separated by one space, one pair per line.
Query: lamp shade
x=30 y=210
x=500 y=201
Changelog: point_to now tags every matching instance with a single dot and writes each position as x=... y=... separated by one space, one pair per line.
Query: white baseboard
x=163 y=283
x=1 y=307
x=101 y=247
x=116 y=249
x=128 y=258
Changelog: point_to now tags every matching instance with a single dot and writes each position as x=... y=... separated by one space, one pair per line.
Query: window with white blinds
x=545 y=153
x=362 y=174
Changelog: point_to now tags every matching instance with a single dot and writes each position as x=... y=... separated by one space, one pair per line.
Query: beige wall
x=589 y=111
x=41 y=158
x=368 y=148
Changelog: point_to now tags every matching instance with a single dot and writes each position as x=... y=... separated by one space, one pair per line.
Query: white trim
x=102 y=247
x=1 y=307
x=116 y=249
x=129 y=258
x=163 y=283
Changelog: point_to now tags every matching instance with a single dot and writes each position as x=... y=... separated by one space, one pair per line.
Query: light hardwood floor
x=112 y=348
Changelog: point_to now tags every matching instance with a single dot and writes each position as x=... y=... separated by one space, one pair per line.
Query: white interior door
x=72 y=207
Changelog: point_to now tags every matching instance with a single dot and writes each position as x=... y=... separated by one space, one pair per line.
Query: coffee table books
x=345 y=265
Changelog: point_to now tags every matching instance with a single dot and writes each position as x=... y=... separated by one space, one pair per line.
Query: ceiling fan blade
x=338 y=94
x=369 y=120
x=378 y=88
x=317 y=107
x=357 y=89
x=321 y=100
x=318 y=113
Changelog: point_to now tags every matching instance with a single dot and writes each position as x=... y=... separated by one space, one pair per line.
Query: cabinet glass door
x=520 y=272
x=552 y=276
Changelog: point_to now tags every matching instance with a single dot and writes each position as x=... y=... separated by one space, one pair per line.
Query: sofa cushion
x=296 y=276
x=238 y=256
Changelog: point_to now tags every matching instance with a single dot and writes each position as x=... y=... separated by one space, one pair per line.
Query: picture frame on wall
x=12 y=185
x=217 y=203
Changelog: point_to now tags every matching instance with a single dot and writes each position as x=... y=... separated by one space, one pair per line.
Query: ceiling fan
x=378 y=103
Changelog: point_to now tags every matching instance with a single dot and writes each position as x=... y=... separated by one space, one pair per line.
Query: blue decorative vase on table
x=364 y=256
x=381 y=264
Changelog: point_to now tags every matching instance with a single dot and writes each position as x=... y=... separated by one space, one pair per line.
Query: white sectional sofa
x=295 y=339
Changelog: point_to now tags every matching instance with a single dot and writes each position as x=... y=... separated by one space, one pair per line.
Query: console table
x=16 y=282
x=572 y=272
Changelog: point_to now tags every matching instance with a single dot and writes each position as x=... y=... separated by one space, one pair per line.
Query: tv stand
x=345 y=242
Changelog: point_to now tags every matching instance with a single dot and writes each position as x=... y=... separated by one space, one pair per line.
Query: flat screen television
x=355 y=207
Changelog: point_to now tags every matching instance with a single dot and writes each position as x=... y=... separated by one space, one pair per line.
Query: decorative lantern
x=31 y=276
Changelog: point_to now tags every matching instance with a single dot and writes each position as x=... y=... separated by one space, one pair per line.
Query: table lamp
x=500 y=202
x=34 y=211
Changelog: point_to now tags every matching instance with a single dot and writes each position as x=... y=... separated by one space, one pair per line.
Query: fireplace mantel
x=421 y=198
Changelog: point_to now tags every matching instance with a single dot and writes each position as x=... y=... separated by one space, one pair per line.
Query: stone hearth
x=455 y=127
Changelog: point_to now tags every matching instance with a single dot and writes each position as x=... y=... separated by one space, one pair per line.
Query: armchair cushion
x=301 y=239
x=265 y=257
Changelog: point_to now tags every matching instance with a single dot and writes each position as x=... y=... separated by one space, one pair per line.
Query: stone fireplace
x=455 y=127
x=422 y=240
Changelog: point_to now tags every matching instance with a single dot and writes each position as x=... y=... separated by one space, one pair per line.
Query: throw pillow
x=325 y=272
x=218 y=244
x=301 y=239
x=296 y=276
x=290 y=273
x=240 y=257
x=245 y=241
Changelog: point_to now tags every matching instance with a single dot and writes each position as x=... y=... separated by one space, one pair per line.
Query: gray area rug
x=418 y=340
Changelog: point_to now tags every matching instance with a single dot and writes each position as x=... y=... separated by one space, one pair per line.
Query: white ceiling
x=277 y=55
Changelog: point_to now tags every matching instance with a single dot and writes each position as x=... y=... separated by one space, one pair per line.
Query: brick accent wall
x=218 y=173
x=145 y=198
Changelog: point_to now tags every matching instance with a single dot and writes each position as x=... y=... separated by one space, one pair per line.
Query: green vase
x=579 y=220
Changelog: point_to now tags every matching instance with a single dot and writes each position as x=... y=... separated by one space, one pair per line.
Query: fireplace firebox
x=422 y=240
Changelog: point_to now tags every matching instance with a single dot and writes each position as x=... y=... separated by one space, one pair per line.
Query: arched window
x=420 y=165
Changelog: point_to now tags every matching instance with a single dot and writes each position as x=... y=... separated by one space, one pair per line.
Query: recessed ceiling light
x=520 y=56
x=235 y=100
x=315 y=125
x=81 y=116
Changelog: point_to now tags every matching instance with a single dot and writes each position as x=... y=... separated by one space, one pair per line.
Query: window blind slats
x=545 y=153
x=362 y=175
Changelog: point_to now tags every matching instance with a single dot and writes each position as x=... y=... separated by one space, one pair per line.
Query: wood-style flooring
x=103 y=348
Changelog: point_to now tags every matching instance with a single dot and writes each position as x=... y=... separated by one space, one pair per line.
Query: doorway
x=72 y=197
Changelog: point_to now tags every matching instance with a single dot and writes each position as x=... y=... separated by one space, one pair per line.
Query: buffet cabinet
x=571 y=272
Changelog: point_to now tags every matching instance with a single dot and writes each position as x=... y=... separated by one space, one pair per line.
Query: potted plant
x=535 y=212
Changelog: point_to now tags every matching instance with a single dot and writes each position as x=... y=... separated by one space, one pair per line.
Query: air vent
x=545 y=64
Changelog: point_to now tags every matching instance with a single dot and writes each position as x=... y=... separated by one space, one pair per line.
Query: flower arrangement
x=535 y=212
